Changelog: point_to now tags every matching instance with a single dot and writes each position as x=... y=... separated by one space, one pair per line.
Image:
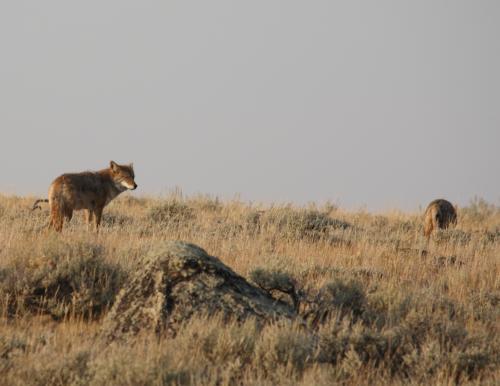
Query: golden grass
x=429 y=312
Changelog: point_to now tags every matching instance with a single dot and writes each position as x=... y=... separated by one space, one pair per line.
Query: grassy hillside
x=402 y=311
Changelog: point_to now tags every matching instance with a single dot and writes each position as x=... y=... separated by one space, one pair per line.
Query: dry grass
x=400 y=311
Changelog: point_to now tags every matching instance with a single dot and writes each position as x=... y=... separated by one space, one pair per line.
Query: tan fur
x=90 y=191
x=440 y=214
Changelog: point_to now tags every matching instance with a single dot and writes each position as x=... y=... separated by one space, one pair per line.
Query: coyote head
x=123 y=176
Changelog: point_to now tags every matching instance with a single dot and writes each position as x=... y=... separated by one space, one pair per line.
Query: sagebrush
x=378 y=304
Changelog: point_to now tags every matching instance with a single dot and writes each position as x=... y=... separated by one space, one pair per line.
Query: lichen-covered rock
x=180 y=280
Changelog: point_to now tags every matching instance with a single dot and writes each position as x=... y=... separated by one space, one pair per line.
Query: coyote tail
x=36 y=206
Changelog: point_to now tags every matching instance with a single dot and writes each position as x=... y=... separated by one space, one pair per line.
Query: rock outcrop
x=179 y=281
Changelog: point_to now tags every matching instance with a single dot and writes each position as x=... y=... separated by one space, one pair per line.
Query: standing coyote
x=439 y=215
x=91 y=191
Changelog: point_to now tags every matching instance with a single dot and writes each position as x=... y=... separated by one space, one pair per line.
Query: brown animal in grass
x=440 y=214
x=90 y=191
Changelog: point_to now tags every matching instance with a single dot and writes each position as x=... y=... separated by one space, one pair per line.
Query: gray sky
x=387 y=104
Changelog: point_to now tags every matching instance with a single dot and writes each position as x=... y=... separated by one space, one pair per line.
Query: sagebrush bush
x=478 y=211
x=295 y=224
x=171 y=213
x=65 y=279
x=455 y=236
x=116 y=219
x=339 y=298
x=290 y=347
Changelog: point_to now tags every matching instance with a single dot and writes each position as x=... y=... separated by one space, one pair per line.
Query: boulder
x=179 y=281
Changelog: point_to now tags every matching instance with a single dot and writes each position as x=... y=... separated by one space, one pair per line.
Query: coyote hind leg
x=56 y=218
x=56 y=222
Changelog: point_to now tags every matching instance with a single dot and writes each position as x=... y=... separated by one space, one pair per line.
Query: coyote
x=439 y=215
x=91 y=191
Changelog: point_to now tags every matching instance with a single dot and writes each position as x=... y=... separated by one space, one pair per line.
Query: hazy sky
x=387 y=104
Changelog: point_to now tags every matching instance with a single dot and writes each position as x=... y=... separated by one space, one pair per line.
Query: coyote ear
x=113 y=165
x=131 y=165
